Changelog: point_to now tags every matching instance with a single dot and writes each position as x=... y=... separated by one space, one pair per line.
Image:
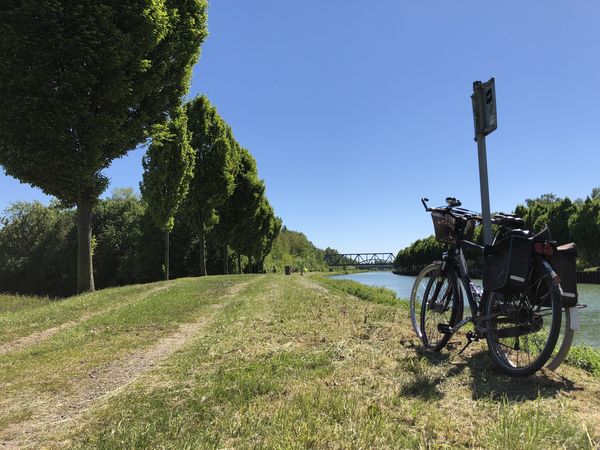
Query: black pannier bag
x=506 y=264
x=564 y=264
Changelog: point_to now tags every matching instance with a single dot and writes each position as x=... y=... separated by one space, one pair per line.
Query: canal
x=589 y=294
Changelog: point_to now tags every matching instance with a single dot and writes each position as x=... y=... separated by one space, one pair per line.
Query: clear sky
x=354 y=110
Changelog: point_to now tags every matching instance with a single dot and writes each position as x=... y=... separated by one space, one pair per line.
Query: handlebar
x=452 y=208
x=502 y=219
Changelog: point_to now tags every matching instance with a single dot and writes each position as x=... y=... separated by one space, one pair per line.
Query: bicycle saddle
x=508 y=221
x=452 y=202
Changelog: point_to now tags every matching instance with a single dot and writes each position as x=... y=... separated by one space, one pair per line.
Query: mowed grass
x=13 y=303
x=286 y=361
x=22 y=316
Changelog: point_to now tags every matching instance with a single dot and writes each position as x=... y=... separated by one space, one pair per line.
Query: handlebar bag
x=506 y=264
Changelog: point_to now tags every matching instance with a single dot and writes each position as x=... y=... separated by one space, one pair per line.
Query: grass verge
x=370 y=294
x=586 y=358
x=287 y=361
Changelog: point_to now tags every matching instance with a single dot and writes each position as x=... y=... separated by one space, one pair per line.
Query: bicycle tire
x=520 y=314
x=417 y=292
x=441 y=304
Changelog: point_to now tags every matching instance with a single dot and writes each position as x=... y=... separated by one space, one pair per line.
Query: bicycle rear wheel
x=524 y=328
x=568 y=326
x=418 y=290
x=441 y=306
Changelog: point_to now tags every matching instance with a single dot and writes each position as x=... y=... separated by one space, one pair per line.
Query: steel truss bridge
x=362 y=260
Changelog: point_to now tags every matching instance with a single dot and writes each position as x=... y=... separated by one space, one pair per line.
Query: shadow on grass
x=487 y=381
x=425 y=388
x=430 y=369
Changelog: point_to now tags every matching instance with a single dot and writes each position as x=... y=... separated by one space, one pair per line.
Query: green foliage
x=584 y=225
x=549 y=210
x=168 y=169
x=118 y=229
x=419 y=254
x=213 y=180
x=292 y=248
x=93 y=77
x=242 y=206
x=37 y=244
x=266 y=228
x=586 y=358
x=216 y=166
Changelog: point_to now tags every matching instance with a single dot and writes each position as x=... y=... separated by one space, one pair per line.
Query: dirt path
x=313 y=285
x=40 y=336
x=62 y=410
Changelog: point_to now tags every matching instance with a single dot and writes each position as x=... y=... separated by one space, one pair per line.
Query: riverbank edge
x=584 y=357
x=583 y=277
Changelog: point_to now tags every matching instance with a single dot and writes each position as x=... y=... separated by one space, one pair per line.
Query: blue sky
x=354 y=110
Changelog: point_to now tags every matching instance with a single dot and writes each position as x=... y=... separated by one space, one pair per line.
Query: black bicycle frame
x=456 y=257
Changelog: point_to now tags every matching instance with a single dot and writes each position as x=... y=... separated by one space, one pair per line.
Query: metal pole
x=485 y=190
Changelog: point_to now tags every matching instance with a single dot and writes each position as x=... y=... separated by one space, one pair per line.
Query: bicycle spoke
x=522 y=330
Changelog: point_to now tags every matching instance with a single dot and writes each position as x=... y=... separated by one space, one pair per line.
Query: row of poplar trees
x=83 y=83
x=195 y=164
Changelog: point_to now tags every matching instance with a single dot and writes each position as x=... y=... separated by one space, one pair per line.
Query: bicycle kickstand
x=471 y=337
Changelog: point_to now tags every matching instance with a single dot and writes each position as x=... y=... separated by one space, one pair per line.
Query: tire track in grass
x=62 y=410
x=40 y=336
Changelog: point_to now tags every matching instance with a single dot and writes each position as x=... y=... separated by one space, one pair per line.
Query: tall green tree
x=214 y=175
x=549 y=210
x=244 y=205
x=168 y=169
x=585 y=229
x=268 y=228
x=81 y=83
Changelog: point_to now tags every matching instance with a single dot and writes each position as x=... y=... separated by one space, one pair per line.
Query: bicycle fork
x=473 y=297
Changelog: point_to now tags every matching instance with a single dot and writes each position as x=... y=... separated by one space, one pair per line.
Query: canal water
x=589 y=294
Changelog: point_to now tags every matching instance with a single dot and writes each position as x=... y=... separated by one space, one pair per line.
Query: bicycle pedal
x=444 y=328
x=472 y=336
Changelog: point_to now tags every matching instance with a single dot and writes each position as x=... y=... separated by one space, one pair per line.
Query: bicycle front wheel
x=418 y=291
x=523 y=328
x=441 y=307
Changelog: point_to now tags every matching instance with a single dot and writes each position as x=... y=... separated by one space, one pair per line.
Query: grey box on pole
x=484 y=107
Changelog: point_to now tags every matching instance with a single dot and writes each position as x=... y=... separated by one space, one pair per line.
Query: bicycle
x=519 y=309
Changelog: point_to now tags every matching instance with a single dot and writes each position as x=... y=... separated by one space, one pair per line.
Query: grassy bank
x=266 y=361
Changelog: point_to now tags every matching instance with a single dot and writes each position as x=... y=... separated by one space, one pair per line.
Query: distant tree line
x=569 y=221
x=292 y=248
x=38 y=246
